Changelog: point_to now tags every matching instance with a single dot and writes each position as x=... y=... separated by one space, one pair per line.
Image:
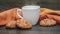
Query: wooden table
x=35 y=30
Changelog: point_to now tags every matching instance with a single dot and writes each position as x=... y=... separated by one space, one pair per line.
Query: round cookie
x=11 y=24
x=47 y=22
x=22 y=23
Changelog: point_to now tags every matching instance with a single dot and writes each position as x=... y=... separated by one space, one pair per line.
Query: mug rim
x=30 y=7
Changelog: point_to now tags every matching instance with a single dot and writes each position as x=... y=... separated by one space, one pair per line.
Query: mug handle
x=19 y=10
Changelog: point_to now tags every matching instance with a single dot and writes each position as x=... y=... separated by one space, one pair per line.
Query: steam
x=31 y=2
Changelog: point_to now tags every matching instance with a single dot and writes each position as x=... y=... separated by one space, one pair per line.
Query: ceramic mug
x=30 y=13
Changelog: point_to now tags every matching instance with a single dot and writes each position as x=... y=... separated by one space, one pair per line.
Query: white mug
x=30 y=13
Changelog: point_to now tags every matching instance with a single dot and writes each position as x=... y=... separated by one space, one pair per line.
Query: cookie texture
x=47 y=22
x=22 y=23
x=11 y=24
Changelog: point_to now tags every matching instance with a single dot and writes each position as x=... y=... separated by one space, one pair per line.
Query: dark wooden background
x=6 y=4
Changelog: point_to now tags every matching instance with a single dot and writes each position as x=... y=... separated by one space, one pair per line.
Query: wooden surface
x=35 y=30
x=6 y=4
